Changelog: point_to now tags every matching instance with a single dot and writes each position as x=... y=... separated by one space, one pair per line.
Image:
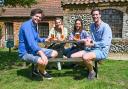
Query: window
x=1 y=3
x=9 y=31
x=115 y=19
x=43 y=29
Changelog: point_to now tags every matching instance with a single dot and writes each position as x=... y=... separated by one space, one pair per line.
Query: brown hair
x=96 y=9
x=79 y=19
x=36 y=11
x=57 y=18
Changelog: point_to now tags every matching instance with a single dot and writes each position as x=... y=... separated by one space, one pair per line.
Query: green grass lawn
x=112 y=75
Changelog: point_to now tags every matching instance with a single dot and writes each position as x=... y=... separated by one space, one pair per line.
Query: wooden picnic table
x=61 y=45
x=60 y=49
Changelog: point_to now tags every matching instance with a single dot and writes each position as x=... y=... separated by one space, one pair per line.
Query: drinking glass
x=52 y=36
x=62 y=37
x=77 y=36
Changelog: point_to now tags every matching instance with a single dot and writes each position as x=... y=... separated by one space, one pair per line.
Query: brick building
x=114 y=12
x=11 y=19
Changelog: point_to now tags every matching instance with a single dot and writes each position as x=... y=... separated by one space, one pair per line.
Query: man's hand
x=88 y=42
x=61 y=26
x=48 y=39
x=44 y=59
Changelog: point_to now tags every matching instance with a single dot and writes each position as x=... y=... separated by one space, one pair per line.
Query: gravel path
x=118 y=56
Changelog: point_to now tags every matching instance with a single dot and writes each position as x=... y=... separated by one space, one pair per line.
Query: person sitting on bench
x=29 y=50
x=77 y=34
x=58 y=32
x=98 y=44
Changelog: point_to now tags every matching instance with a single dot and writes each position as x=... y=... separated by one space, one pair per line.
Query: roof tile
x=50 y=8
x=64 y=2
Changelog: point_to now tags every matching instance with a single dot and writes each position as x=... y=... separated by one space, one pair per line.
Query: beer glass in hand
x=77 y=36
x=62 y=37
x=52 y=36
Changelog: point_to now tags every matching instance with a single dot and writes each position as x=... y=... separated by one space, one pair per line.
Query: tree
x=23 y=3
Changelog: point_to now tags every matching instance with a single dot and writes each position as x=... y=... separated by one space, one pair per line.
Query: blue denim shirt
x=29 y=38
x=102 y=36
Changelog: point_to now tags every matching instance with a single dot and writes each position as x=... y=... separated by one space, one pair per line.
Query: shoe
x=46 y=75
x=91 y=75
x=35 y=73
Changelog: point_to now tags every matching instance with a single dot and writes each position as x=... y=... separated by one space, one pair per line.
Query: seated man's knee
x=85 y=57
x=89 y=56
x=40 y=61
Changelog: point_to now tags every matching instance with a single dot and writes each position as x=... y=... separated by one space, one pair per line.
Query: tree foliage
x=23 y=3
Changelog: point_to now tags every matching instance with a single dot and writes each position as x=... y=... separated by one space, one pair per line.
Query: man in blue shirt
x=99 y=43
x=29 y=50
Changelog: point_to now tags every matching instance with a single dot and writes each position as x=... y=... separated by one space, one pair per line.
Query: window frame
x=112 y=16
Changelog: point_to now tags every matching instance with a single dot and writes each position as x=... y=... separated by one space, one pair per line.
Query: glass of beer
x=52 y=36
x=77 y=36
x=62 y=37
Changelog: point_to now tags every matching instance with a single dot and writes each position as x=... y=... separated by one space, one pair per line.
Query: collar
x=33 y=24
x=97 y=27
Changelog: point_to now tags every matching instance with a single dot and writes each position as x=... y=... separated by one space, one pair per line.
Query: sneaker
x=35 y=73
x=91 y=75
x=46 y=75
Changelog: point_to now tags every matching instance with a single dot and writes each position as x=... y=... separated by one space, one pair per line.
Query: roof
x=50 y=8
x=65 y=2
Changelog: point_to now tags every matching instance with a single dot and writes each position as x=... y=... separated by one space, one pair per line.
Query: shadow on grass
x=78 y=72
x=11 y=60
x=26 y=72
x=8 y=60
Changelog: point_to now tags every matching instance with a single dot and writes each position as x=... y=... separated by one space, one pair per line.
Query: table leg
x=59 y=65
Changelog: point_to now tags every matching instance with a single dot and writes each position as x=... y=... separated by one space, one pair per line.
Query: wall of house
x=16 y=25
x=16 y=22
x=2 y=37
x=72 y=12
x=125 y=26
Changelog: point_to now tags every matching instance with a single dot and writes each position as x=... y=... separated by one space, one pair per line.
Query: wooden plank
x=65 y=60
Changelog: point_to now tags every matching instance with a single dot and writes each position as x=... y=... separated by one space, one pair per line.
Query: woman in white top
x=59 y=30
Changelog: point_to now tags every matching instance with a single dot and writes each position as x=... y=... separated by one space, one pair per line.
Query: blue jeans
x=69 y=51
x=34 y=58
